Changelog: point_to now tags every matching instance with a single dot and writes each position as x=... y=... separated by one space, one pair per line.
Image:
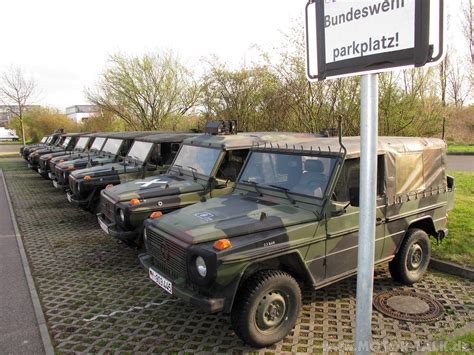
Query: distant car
x=8 y=134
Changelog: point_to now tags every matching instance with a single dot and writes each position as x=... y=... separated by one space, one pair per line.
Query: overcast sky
x=64 y=44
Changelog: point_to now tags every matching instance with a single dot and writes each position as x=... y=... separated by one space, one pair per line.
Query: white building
x=80 y=112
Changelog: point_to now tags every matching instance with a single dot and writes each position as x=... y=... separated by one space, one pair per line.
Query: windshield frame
x=86 y=139
x=97 y=139
x=151 y=144
x=188 y=171
x=337 y=158
x=118 y=149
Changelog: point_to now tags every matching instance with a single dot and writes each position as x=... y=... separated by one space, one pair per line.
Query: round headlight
x=201 y=266
x=122 y=216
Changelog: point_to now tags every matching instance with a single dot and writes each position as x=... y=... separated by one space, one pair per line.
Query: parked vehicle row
x=239 y=223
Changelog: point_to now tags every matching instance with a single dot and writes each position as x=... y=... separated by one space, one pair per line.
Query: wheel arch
x=426 y=224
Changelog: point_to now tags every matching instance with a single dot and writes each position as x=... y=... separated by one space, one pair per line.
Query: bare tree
x=16 y=90
x=145 y=92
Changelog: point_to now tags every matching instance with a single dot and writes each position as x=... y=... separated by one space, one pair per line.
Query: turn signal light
x=71 y=168
x=109 y=186
x=156 y=214
x=222 y=244
x=134 y=201
x=87 y=178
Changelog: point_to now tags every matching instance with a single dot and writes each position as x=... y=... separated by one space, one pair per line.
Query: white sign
x=362 y=28
x=348 y=37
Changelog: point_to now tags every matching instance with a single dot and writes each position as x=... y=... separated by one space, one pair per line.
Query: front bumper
x=115 y=231
x=76 y=201
x=209 y=305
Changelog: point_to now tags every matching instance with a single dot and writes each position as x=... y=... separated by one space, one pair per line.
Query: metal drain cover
x=408 y=306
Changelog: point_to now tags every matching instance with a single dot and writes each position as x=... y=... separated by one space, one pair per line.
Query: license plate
x=161 y=281
x=50 y=175
x=69 y=198
x=55 y=184
x=102 y=225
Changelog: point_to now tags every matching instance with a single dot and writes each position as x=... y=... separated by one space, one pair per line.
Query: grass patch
x=459 y=345
x=458 y=246
x=461 y=148
x=12 y=143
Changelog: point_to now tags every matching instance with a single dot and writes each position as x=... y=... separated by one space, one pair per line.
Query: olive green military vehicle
x=25 y=148
x=34 y=157
x=81 y=150
x=150 y=154
x=68 y=146
x=206 y=166
x=98 y=153
x=52 y=141
x=293 y=220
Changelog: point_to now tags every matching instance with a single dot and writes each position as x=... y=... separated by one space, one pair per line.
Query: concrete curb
x=43 y=328
x=452 y=268
x=460 y=153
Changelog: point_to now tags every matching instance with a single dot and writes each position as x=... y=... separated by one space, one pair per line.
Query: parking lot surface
x=97 y=298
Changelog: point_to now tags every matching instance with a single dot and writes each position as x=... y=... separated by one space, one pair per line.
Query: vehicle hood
x=102 y=170
x=154 y=186
x=230 y=216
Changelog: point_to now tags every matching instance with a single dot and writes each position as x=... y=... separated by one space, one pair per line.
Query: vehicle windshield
x=198 y=159
x=81 y=143
x=48 y=140
x=66 y=142
x=293 y=173
x=98 y=143
x=112 y=146
x=140 y=150
x=44 y=139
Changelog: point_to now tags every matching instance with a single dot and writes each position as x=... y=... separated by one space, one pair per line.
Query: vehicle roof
x=128 y=134
x=158 y=137
x=352 y=144
x=74 y=134
x=246 y=140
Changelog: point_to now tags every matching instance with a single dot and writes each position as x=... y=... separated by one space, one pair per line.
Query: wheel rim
x=271 y=311
x=415 y=257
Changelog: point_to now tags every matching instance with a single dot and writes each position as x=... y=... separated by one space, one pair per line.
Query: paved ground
x=9 y=148
x=97 y=298
x=461 y=162
x=19 y=332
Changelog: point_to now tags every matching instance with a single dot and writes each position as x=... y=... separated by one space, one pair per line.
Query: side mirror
x=339 y=209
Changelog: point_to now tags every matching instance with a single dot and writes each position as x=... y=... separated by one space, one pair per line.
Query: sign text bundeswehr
x=345 y=37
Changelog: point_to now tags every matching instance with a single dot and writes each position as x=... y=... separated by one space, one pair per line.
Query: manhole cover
x=407 y=305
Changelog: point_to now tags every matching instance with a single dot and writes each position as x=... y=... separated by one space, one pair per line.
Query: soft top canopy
x=246 y=140
x=159 y=137
x=352 y=144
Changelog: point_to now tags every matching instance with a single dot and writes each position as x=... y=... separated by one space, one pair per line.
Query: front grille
x=108 y=208
x=168 y=257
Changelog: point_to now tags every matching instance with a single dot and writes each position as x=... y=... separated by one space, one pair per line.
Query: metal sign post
x=368 y=187
x=365 y=37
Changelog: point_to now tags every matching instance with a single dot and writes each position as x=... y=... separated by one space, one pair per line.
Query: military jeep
x=150 y=154
x=60 y=145
x=54 y=141
x=206 y=166
x=68 y=146
x=292 y=221
x=25 y=148
x=81 y=149
x=94 y=156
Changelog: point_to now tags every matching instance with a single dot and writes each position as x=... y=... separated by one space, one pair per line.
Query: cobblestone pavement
x=97 y=298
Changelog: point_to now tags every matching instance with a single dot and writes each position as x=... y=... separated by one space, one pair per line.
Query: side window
x=155 y=155
x=232 y=164
x=409 y=173
x=347 y=187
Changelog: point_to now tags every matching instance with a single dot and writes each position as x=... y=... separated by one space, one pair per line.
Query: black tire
x=264 y=292
x=413 y=257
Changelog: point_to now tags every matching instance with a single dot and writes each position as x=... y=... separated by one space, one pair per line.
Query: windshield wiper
x=179 y=169
x=193 y=170
x=285 y=190
x=255 y=185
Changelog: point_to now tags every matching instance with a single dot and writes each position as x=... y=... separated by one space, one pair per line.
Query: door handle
x=380 y=221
